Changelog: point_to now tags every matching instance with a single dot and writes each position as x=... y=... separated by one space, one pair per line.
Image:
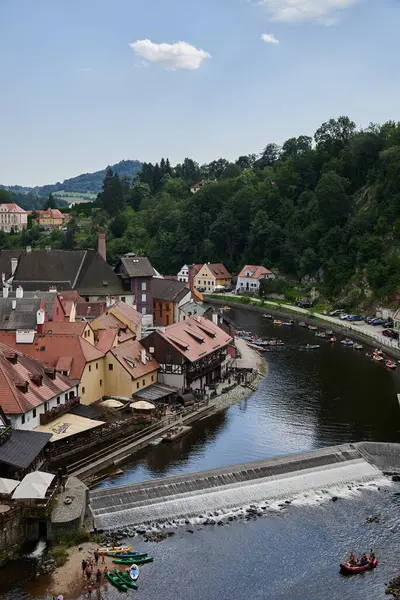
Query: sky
x=87 y=83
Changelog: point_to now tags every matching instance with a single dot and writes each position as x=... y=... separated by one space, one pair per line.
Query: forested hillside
x=87 y=182
x=326 y=208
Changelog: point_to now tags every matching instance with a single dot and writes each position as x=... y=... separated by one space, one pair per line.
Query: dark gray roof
x=89 y=412
x=155 y=392
x=23 y=447
x=169 y=289
x=23 y=316
x=136 y=266
x=193 y=308
x=82 y=270
x=48 y=297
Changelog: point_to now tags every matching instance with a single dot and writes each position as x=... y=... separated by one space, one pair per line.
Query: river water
x=308 y=400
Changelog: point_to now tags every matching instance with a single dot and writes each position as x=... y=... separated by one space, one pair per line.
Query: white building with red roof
x=12 y=216
x=250 y=276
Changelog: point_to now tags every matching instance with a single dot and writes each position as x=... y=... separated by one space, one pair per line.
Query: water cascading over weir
x=231 y=487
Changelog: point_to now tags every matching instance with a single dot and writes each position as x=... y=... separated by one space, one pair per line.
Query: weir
x=229 y=487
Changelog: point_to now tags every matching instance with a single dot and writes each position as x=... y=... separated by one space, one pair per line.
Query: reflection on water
x=308 y=400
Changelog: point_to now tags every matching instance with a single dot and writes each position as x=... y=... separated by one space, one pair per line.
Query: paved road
x=360 y=327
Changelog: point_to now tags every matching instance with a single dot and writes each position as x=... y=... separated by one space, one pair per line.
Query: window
x=46 y=406
x=90 y=367
x=101 y=383
x=66 y=397
x=144 y=382
x=123 y=299
x=97 y=366
x=83 y=390
x=23 y=419
x=110 y=367
x=137 y=385
x=152 y=377
x=58 y=400
x=86 y=299
x=144 y=297
x=71 y=395
x=144 y=287
x=34 y=413
x=57 y=311
x=42 y=348
x=144 y=312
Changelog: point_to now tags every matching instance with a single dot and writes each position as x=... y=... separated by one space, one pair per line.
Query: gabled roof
x=50 y=299
x=20 y=391
x=127 y=311
x=256 y=270
x=65 y=328
x=193 y=308
x=130 y=357
x=195 y=337
x=82 y=270
x=22 y=448
x=136 y=266
x=90 y=310
x=50 y=348
x=170 y=290
x=105 y=339
x=12 y=207
x=219 y=270
x=51 y=213
x=23 y=316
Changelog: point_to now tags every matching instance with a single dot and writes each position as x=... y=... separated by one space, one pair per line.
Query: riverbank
x=362 y=333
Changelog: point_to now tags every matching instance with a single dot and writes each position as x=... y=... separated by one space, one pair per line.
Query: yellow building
x=211 y=276
x=120 y=317
x=51 y=218
x=92 y=385
x=128 y=369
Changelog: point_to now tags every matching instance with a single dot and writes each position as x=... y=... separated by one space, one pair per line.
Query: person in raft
x=371 y=556
x=352 y=559
x=363 y=560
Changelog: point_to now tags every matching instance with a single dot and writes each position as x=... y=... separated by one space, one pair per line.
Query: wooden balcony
x=58 y=411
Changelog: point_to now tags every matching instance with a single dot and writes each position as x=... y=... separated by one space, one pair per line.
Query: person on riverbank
x=88 y=572
x=84 y=565
x=89 y=590
x=98 y=576
x=96 y=557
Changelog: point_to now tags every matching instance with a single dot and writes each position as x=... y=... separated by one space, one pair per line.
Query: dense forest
x=87 y=182
x=323 y=210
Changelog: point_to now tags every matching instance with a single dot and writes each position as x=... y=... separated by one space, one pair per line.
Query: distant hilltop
x=87 y=183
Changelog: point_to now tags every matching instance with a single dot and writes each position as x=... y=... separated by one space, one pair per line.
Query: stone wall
x=11 y=530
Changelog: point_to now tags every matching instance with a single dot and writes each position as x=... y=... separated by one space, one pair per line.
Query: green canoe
x=133 y=561
x=134 y=555
x=126 y=579
x=115 y=580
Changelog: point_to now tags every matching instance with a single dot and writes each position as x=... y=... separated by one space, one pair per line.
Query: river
x=308 y=400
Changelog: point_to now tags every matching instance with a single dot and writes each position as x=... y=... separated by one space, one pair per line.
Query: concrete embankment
x=238 y=485
x=374 y=341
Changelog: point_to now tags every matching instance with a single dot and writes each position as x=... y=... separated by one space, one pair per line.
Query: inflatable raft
x=348 y=569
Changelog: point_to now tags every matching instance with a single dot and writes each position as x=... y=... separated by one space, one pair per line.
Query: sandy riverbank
x=68 y=579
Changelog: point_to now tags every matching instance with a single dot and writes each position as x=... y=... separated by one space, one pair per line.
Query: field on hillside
x=76 y=197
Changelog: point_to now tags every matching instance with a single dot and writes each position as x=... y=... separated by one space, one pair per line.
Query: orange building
x=168 y=296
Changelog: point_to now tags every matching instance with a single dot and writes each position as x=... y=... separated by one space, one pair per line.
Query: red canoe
x=347 y=568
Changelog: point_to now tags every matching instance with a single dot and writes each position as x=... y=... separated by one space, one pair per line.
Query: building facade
x=168 y=296
x=212 y=276
x=136 y=274
x=250 y=276
x=183 y=274
x=13 y=217
x=52 y=218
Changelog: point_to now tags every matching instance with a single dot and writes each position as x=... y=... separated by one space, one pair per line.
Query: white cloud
x=321 y=11
x=86 y=70
x=269 y=38
x=180 y=55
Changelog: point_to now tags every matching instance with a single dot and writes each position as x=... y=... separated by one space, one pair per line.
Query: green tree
x=50 y=202
x=112 y=197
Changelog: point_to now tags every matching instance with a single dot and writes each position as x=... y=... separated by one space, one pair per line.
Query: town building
x=129 y=368
x=70 y=355
x=22 y=316
x=168 y=296
x=212 y=276
x=30 y=391
x=121 y=318
x=191 y=309
x=250 y=276
x=13 y=217
x=136 y=274
x=60 y=270
x=192 y=272
x=197 y=186
x=52 y=218
x=183 y=274
x=80 y=328
x=192 y=354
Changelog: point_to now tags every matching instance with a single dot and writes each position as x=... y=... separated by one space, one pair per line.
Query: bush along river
x=308 y=400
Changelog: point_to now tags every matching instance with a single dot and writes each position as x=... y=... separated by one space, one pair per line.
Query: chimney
x=29 y=248
x=14 y=265
x=215 y=318
x=102 y=244
x=143 y=356
x=19 y=292
x=5 y=292
x=14 y=304
x=40 y=320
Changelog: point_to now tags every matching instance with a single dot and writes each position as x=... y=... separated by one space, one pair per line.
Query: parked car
x=376 y=322
x=354 y=318
x=391 y=334
x=389 y=324
x=343 y=316
x=369 y=319
x=336 y=313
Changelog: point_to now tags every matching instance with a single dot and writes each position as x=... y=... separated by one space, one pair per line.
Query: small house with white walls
x=31 y=390
x=23 y=315
x=250 y=276
x=183 y=274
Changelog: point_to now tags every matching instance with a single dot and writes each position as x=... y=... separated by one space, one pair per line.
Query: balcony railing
x=58 y=411
x=5 y=434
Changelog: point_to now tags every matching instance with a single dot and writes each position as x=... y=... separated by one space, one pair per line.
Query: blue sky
x=86 y=83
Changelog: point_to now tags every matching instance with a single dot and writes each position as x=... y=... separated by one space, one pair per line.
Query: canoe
x=129 y=555
x=348 y=569
x=126 y=579
x=115 y=580
x=116 y=550
x=131 y=561
x=134 y=572
x=309 y=347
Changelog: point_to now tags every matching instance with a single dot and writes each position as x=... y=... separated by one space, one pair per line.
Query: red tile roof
x=256 y=270
x=105 y=339
x=130 y=357
x=65 y=328
x=127 y=311
x=13 y=207
x=195 y=337
x=90 y=310
x=25 y=372
x=219 y=271
x=50 y=348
